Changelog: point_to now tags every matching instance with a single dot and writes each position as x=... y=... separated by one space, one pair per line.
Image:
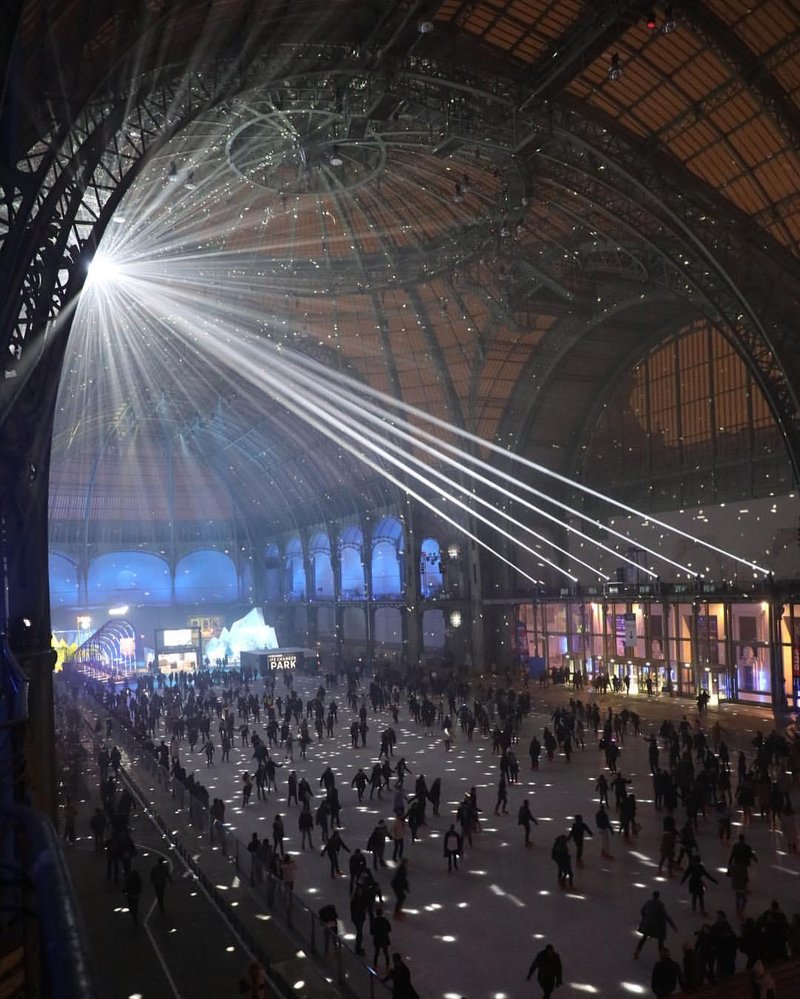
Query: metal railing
x=337 y=961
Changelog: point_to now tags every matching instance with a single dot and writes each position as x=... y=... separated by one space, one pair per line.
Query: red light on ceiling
x=652 y=23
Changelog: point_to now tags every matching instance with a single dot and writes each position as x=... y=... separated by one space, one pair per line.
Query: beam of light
x=294 y=397
x=330 y=431
x=103 y=270
x=386 y=401
x=152 y=272
x=330 y=425
x=359 y=429
x=379 y=416
x=347 y=403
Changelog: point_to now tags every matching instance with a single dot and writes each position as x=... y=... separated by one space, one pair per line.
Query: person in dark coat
x=560 y=854
x=132 y=889
x=452 y=847
x=376 y=844
x=547 y=964
x=525 y=818
x=400 y=886
x=653 y=923
x=400 y=977
x=332 y=847
x=159 y=877
x=380 y=928
x=696 y=875
x=577 y=833
x=667 y=976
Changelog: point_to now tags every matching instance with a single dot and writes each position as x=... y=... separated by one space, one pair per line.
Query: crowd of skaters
x=691 y=770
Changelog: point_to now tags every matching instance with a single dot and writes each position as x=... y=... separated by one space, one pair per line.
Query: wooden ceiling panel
x=787 y=73
x=747 y=194
x=691 y=141
x=700 y=76
x=761 y=26
x=505 y=35
x=778 y=176
x=717 y=164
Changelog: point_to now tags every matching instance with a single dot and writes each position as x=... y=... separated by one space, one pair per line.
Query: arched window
x=129 y=578
x=686 y=426
x=63 y=575
x=206 y=576
x=430 y=568
x=319 y=549
x=387 y=545
x=273 y=574
x=295 y=570
x=351 y=555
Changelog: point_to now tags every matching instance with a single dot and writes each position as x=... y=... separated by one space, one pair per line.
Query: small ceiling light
x=336 y=157
x=614 y=69
x=670 y=24
x=425 y=27
x=652 y=22
x=172 y=176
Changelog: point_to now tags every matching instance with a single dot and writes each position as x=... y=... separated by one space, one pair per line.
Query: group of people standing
x=690 y=769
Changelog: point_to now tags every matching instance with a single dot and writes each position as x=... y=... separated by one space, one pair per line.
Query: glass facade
x=682 y=646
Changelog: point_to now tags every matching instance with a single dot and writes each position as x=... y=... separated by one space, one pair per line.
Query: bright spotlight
x=103 y=270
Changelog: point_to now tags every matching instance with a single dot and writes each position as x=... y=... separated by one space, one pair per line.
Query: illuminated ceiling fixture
x=670 y=24
x=336 y=157
x=614 y=68
x=425 y=27
x=652 y=22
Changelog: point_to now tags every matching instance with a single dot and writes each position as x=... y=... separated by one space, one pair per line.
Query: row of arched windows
x=209 y=576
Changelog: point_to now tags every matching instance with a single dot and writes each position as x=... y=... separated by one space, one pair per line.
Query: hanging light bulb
x=614 y=69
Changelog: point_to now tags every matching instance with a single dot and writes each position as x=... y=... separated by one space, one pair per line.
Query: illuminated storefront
x=737 y=647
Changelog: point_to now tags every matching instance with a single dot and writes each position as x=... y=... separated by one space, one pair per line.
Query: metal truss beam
x=596 y=29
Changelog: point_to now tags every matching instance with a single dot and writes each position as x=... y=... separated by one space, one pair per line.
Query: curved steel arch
x=672 y=239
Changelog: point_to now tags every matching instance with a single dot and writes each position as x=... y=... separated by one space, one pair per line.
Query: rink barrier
x=333 y=957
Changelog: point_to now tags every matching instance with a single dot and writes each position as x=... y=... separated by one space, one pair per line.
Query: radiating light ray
x=429 y=471
x=382 y=420
x=358 y=431
x=328 y=427
x=387 y=400
x=332 y=424
x=162 y=285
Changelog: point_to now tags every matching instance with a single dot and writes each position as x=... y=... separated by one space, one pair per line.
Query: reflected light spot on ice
x=633 y=987
x=581 y=987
